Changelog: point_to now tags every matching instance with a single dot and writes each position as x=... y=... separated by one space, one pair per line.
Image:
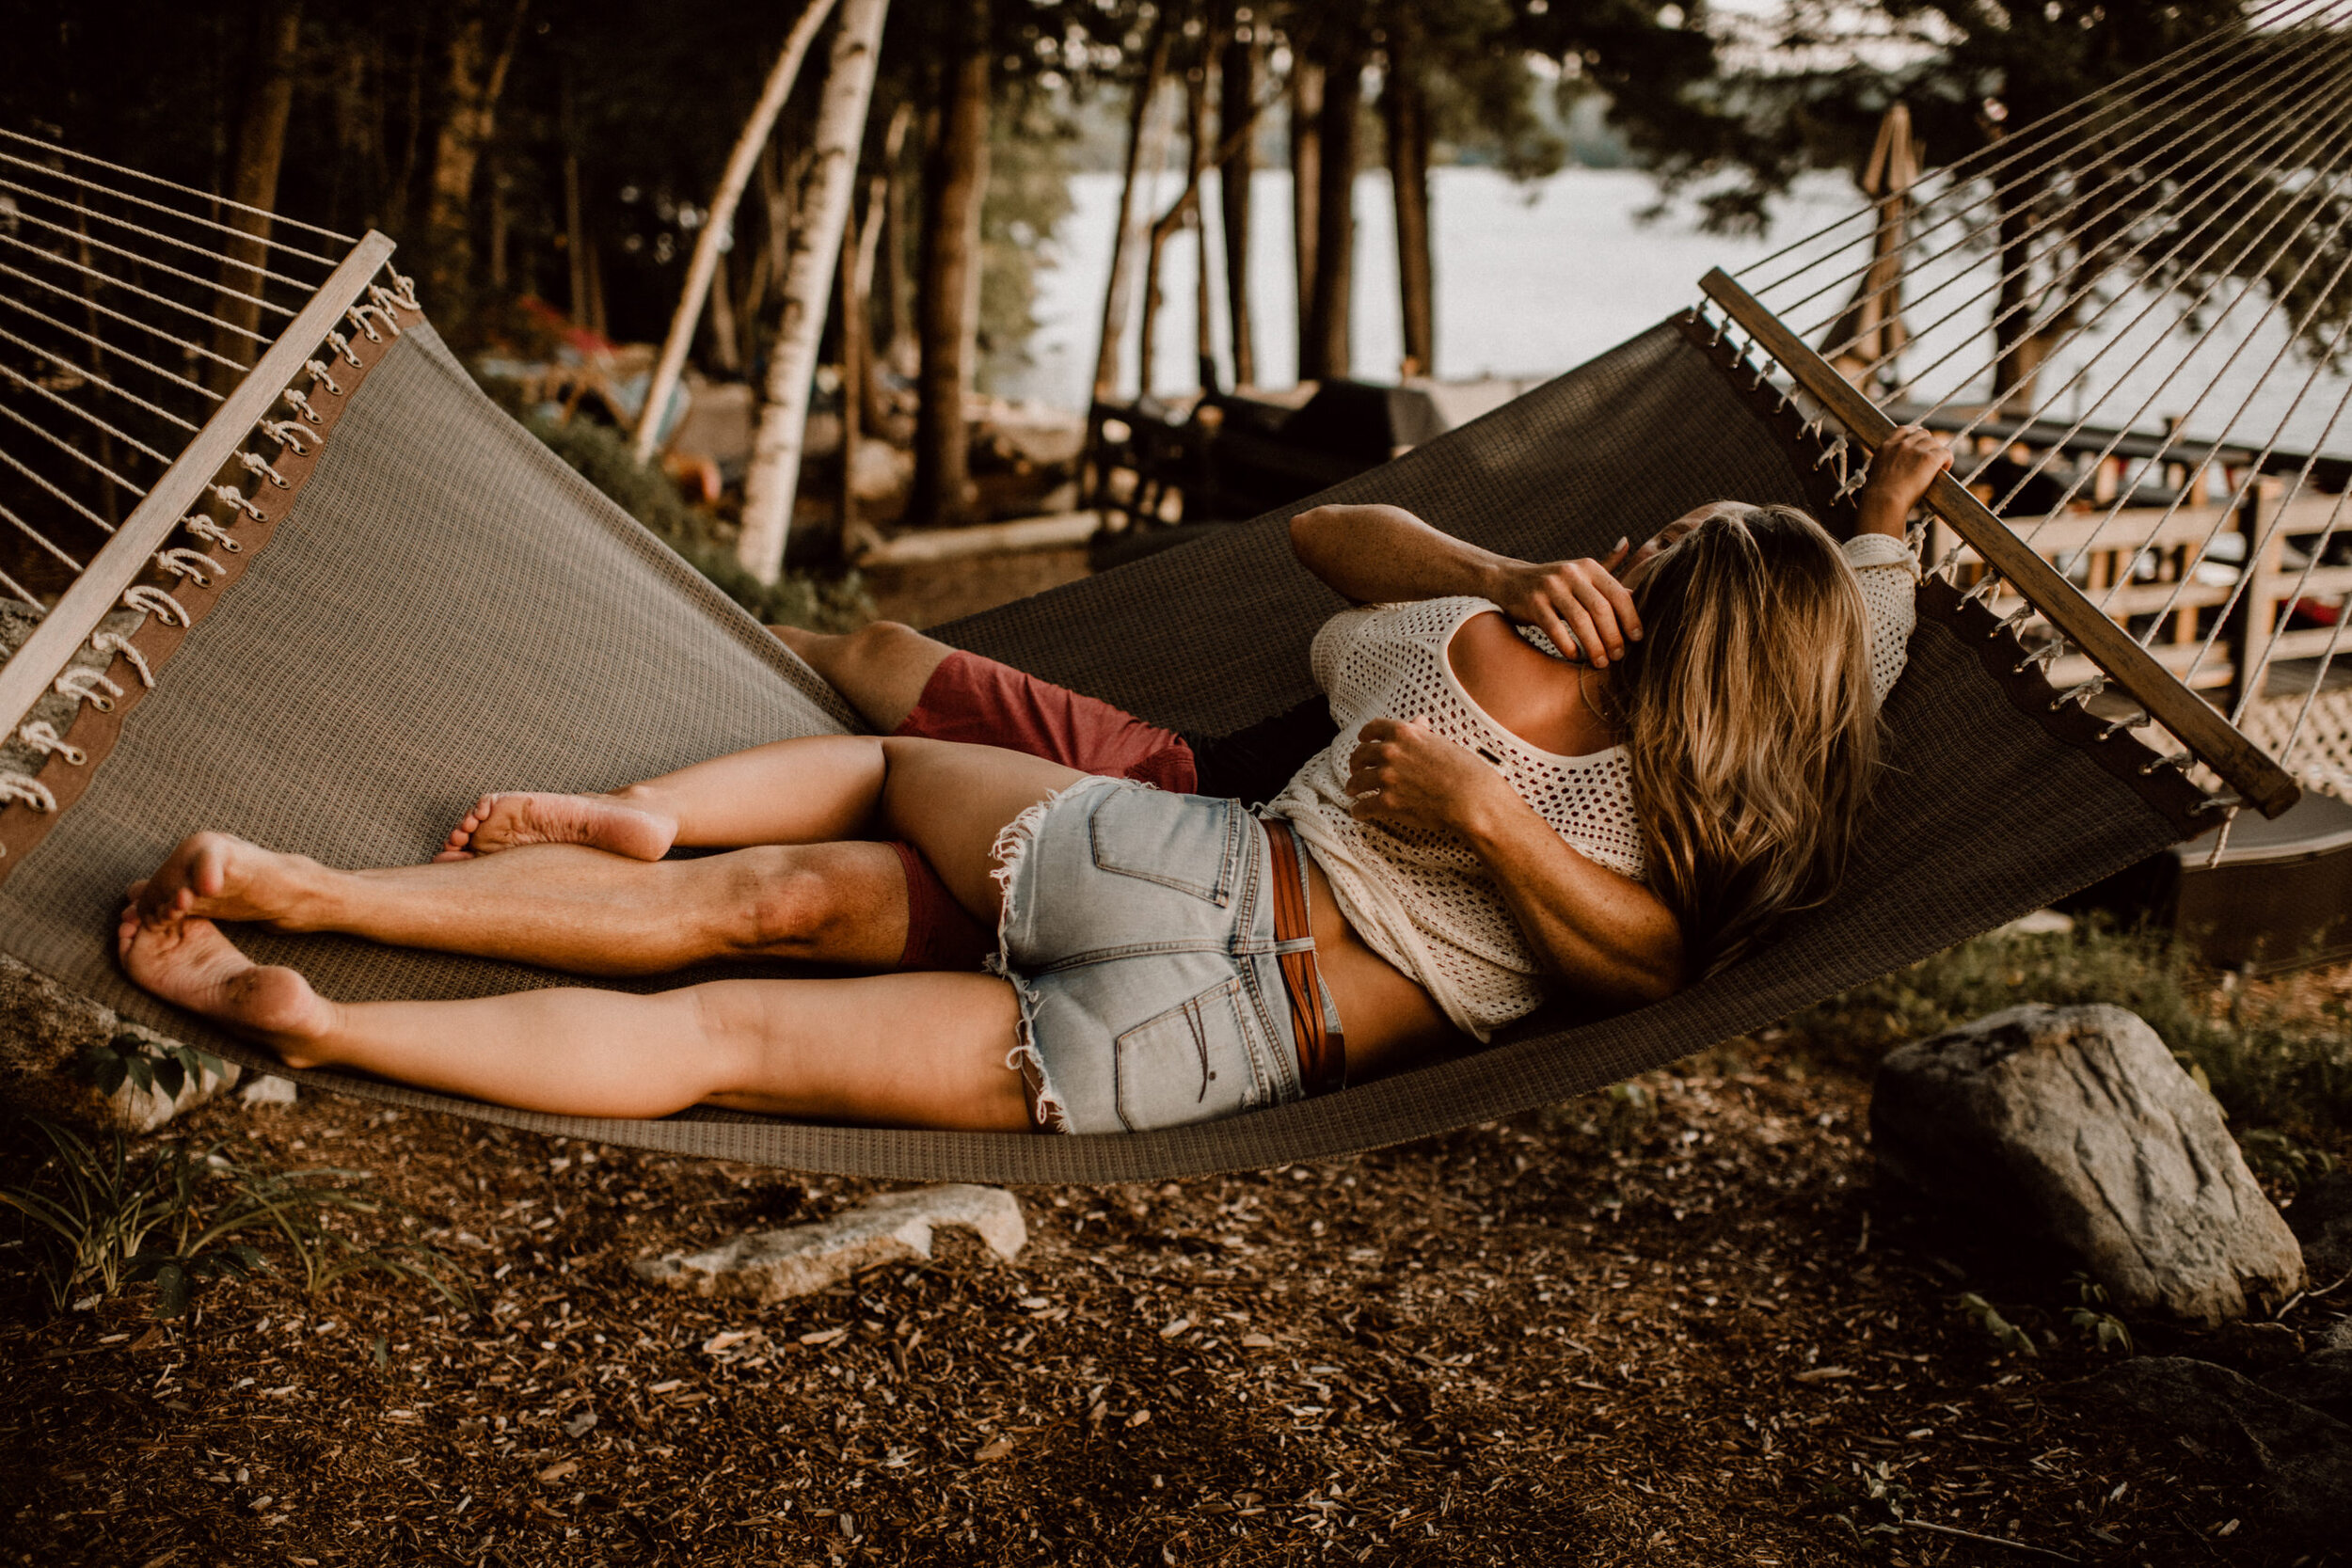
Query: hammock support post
x=2210 y=737
x=100 y=588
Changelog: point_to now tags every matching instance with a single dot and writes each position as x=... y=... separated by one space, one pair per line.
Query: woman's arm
x=1606 y=936
x=1386 y=554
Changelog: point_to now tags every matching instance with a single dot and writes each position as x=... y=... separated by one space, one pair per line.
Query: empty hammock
x=326 y=623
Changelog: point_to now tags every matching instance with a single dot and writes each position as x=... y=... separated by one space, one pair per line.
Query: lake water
x=1533 y=280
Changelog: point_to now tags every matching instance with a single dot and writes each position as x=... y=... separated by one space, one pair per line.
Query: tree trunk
x=954 y=185
x=1305 y=185
x=1238 y=106
x=1404 y=100
x=857 y=346
x=770 y=486
x=253 y=182
x=1145 y=147
x=720 y=224
x=1322 y=349
x=727 y=344
x=2017 y=351
x=903 y=351
x=1197 y=137
x=575 y=224
x=874 y=408
x=477 y=77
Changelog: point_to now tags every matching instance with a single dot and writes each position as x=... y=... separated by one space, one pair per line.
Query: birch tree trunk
x=719 y=222
x=1145 y=147
x=770 y=487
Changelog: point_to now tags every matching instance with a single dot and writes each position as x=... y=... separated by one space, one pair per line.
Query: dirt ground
x=930 y=593
x=1671 y=1326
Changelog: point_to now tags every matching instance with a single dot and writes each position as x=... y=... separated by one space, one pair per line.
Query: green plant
x=151 y=1065
x=112 y=1215
x=603 y=458
x=2264 y=1061
x=2284 y=1158
x=2002 y=1331
x=2091 y=1316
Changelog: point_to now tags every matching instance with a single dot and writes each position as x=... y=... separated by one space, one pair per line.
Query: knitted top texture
x=1421 y=899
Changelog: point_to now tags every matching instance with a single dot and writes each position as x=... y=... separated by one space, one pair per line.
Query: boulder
x=44 y=1028
x=2321 y=1217
x=2300 y=1458
x=2077 y=1125
x=893 y=1228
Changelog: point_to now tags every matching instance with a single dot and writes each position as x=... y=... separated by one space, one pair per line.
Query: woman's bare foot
x=188 y=962
x=600 y=821
x=217 y=877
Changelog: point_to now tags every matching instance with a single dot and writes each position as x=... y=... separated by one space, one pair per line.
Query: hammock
x=332 y=636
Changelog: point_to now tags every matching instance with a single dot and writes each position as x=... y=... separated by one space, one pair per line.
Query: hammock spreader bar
x=2213 y=740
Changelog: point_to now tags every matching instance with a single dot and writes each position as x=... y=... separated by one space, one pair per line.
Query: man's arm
x=1606 y=936
x=1386 y=554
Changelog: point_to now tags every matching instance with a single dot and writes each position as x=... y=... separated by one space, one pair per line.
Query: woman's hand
x=1579 y=604
x=1901 y=472
x=1407 y=775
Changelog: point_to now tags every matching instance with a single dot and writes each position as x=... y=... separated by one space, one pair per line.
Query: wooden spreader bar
x=2209 y=737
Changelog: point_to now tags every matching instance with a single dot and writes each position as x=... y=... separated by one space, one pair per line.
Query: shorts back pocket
x=1192 y=1063
x=1186 y=841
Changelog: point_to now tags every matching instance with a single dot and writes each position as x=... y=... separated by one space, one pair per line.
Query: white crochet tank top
x=1422 y=900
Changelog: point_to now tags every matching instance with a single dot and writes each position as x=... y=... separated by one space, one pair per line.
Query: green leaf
x=107 y=1072
x=142 y=1071
x=171 y=1076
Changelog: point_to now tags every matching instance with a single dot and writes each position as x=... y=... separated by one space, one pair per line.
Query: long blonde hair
x=1748 y=716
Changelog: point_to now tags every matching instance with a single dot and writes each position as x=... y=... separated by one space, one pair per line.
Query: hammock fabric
x=446 y=608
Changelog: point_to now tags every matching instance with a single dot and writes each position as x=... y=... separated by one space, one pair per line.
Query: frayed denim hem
x=1012 y=845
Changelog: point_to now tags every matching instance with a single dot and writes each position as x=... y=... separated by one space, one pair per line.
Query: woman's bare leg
x=881 y=668
x=563 y=907
x=898 y=1050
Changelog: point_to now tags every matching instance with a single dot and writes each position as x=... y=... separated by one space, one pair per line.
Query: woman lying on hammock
x=1493 y=823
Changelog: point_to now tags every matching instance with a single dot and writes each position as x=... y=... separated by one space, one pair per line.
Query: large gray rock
x=44 y=1028
x=2322 y=1380
x=2300 y=1457
x=894 y=1228
x=2075 y=1123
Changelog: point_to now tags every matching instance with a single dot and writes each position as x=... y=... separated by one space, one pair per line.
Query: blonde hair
x=1749 y=719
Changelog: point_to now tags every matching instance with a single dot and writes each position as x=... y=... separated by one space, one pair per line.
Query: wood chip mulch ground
x=1675 y=1326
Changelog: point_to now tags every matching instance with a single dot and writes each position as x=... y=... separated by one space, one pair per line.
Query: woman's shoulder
x=1529 y=692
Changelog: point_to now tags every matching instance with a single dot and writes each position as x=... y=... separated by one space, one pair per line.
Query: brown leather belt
x=1322 y=1050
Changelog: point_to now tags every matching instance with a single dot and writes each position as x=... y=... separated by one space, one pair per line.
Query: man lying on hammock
x=1492 y=823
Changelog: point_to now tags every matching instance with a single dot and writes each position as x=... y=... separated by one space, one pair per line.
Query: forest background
x=521 y=151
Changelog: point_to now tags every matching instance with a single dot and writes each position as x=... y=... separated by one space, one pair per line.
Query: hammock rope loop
x=288 y=434
x=31 y=791
x=235 y=497
x=358 y=316
x=115 y=642
x=2082 y=693
x=42 y=737
x=404 y=291
x=343 y=351
x=181 y=562
x=255 y=463
x=90 y=686
x=212 y=533
x=301 y=404
x=320 y=373
x=385 y=302
x=155 y=602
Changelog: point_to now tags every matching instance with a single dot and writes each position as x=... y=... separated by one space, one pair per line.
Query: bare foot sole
x=598 y=821
x=218 y=876
x=190 y=963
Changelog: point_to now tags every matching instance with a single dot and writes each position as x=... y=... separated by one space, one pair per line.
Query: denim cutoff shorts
x=1138 y=929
